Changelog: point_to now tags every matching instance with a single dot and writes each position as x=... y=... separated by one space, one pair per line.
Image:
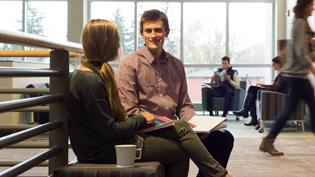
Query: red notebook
x=159 y=123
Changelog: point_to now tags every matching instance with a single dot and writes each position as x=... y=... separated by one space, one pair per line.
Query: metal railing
x=59 y=54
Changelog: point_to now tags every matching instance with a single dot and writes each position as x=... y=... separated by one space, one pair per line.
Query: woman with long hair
x=298 y=65
x=98 y=121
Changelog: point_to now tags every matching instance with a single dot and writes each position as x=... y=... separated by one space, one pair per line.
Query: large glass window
x=204 y=32
x=12 y=22
x=121 y=13
x=43 y=19
x=250 y=32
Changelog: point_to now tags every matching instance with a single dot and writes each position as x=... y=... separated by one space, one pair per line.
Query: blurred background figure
x=298 y=65
x=251 y=96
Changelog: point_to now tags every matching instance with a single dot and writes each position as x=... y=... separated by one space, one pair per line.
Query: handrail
x=34 y=109
x=25 y=134
x=15 y=126
x=21 y=38
x=25 y=72
x=30 y=53
x=59 y=80
x=12 y=163
x=4 y=90
x=30 y=145
x=30 y=163
x=27 y=102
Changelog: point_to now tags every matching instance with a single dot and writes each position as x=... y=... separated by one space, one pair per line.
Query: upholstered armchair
x=239 y=95
x=270 y=103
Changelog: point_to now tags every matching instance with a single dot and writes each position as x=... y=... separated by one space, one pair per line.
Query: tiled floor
x=245 y=161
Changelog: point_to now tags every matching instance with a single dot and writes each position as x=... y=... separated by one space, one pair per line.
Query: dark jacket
x=278 y=84
x=230 y=72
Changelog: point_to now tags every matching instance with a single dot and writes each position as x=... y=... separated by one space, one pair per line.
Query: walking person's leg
x=310 y=100
x=294 y=95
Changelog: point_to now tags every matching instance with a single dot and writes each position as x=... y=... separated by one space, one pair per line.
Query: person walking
x=298 y=65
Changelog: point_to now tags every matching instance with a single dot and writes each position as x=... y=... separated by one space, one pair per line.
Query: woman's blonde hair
x=100 y=40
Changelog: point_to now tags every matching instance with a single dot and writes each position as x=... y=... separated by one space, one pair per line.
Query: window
x=201 y=33
x=12 y=22
x=121 y=13
x=42 y=19
x=204 y=32
x=172 y=10
x=250 y=32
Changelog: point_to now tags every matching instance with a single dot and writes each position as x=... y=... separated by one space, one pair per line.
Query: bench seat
x=146 y=169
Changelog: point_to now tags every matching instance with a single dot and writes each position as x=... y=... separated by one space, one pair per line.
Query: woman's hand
x=149 y=117
x=228 y=175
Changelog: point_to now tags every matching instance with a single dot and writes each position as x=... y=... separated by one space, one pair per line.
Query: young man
x=225 y=80
x=153 y=80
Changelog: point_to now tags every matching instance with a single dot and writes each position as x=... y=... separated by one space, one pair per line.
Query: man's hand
x=215 y=79
x=227 y=77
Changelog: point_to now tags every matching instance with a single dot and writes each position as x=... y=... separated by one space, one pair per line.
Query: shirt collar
x=150 y=58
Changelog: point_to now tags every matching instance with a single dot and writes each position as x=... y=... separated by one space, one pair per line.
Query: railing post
x=59 y=59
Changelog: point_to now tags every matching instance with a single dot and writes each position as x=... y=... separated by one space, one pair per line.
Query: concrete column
x=281 y=19
x=77 y=17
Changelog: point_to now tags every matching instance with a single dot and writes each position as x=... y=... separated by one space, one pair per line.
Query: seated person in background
x=251 y=97
x=153 y=80
x=98 y=122
x=223 y=82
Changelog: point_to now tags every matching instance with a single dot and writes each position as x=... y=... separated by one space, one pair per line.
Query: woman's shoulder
x=85 y=78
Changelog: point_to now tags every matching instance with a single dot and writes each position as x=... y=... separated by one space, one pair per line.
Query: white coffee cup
x=126 y=154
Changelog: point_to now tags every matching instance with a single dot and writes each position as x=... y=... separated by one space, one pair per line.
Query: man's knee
x=181 y=123
x=224 y=137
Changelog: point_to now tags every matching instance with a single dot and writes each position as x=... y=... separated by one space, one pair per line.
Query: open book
x=159 y=123
x=220 y=75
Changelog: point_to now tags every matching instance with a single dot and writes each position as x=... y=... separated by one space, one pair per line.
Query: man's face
x=225 y=64
x=276 y=66
x=154 y=35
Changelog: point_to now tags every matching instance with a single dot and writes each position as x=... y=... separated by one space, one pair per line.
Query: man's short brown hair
x=226 y=58
x=154 y=15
